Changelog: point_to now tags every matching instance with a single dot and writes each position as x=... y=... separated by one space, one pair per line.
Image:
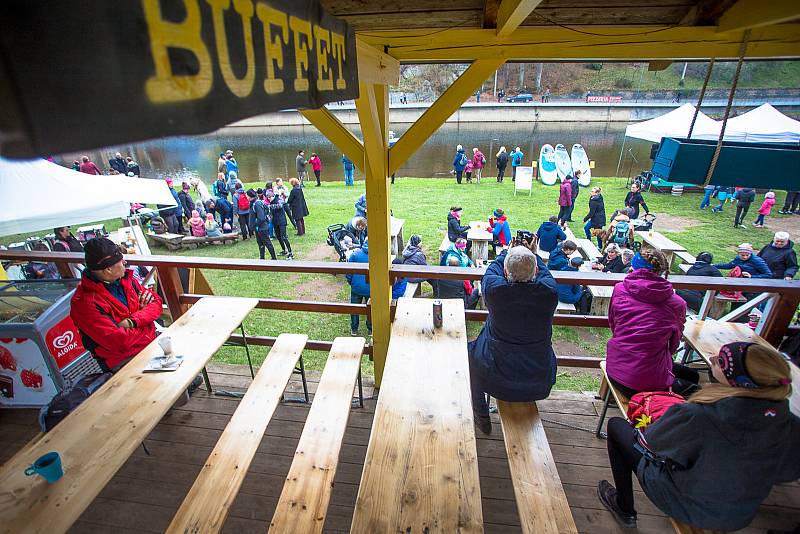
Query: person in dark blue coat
x=512 y=358
x=559 y=258
x=575 y=294
x=550 y=233
x=459 y=162
x=752 y=266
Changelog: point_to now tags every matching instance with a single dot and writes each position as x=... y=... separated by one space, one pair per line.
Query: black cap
x=101 y=253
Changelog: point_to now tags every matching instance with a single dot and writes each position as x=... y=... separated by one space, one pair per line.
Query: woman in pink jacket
x=316 y=165
x=564 y=201
x=478 y=161
x=765 y=209
x=646 y=319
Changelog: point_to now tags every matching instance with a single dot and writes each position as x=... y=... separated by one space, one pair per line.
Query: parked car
x=522 y=97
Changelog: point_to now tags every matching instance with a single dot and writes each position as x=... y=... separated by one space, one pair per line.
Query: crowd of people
x=744 y=198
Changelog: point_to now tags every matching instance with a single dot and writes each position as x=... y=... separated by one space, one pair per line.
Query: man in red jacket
x=113 y=312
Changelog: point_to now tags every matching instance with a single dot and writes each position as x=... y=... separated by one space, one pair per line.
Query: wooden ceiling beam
x=512 y=13
x=586 y=43
x=748 y=14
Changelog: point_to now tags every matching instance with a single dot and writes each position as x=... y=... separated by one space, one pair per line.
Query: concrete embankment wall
x=534 y=112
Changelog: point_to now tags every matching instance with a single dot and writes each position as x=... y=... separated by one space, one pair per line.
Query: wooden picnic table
x=601 y=295
x=97 y=438
x=707 y=337
x=480 y=238
x=660 y=242
x=421 y=470
x=396 y=234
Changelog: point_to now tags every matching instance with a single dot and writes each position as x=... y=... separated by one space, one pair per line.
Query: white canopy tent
x=39 y=195
x=676 y=123
x=765 y=124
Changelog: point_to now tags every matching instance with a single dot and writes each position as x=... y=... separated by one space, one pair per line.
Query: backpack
x=483 y=159
x=462 y=161
x=736 y=272
x=66 y=401
x=243 y=202
x=219 y=188
x=621 y=233
x=647 y=407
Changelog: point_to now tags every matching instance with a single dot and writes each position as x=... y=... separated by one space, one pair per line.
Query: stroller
x=333 y=240
x=644 y=223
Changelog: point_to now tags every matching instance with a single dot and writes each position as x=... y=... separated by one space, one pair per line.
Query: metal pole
x=494 y=91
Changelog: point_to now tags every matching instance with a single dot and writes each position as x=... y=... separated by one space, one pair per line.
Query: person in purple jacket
x=646 y=319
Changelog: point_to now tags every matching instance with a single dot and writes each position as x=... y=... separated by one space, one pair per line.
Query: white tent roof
x=39 y=195
x=676 y=123
x=765 y=124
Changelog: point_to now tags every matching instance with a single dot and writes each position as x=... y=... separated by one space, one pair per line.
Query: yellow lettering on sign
x=301 y=27
x=165 y=86
x=324 y=79
x=269 y=16
x=337 y=44
x=241 y=87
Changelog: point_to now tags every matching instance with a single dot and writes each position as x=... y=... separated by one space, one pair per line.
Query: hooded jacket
x=453 y=250
x=754 y=265
x=500 y=229
x=597 y=212
x=646 y=319
x=694 y=297
x=570 y=293
x=502 y=160
x=634 y=200
x=565 y=194
x=512 y=357
x=576 y=188
x=728 y=455
x=186 y=203
x=745 y=196
x=781 y=261
x=297 y=203
x=454 y=228
x=549 y=235
x=412 y=255
x=96 y=312
x=516 y=158
x=316 y=163
x=179 y=208
x=361 y=206
x=358 y=282
x=558 y=260
x=477 y=160
x=348 y=165
x=766 y=206
x=457 y=160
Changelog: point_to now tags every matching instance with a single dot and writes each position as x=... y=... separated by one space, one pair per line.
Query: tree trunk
x=521 y=76
x=539 y=69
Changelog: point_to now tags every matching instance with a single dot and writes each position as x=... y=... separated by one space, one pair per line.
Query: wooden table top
x=97 y=438
x=660 y=242
x=478 y=231
x=421 y=468
x=706 y=337
x=603 y=292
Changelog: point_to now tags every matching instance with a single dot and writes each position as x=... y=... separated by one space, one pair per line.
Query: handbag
x=647 y=407
x=736 y=272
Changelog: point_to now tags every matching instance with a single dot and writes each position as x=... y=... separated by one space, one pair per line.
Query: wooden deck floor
x=146 y=492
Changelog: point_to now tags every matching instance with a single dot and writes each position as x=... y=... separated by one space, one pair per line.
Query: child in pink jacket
x=765 y=209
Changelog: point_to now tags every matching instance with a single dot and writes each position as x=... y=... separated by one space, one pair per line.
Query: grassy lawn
x=424 y=204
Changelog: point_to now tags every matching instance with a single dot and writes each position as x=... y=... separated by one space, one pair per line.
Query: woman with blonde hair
x=711 y=462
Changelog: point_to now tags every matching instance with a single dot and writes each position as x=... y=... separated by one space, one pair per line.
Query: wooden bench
x=396 y=234
x=542 y=504
x=607 y=391
x=412 y=288
x=589 y=250
x=191 y=242
x=95 y=440
x=306 y=493
x=684 y=256
x=206 y=505
x=421 y=467
x=563 y=307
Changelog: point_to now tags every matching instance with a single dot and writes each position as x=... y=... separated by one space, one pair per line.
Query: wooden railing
x=781 y=302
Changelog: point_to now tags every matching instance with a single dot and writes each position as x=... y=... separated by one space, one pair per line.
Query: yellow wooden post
x=373 y=113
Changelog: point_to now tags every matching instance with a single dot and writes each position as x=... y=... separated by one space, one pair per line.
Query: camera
x=525 y=236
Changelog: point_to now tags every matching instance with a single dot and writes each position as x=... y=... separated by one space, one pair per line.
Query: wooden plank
x=421 y=471
x=707 y=337
x=304 y=500
x=206 y=505
x=97 y=438
x=542 y=504
x=659 y=241
x=747 y=14
x=512 y=13
x=621 y=400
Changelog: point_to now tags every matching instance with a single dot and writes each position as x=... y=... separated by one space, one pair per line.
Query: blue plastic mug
x=47 y=466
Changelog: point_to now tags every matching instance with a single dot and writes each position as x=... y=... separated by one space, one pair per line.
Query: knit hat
x=251 y=193
x=770 y=194
x=195 y=214
x=745 y=247
x=101 y=253
x=415 y=240
x=705 y=257
x=732 y=359
x=576 y=261
x=498 y=212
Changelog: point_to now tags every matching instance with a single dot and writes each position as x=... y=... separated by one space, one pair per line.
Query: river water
x=269 y=152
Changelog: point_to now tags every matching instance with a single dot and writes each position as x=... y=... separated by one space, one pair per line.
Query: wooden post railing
x=783 y=300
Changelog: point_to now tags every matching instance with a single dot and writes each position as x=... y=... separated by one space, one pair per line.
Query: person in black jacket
x=455 y=229
x=780 y=257
x=792 y=203
x=712 y=460
x=119 y=164
x=413 y=255
x=634 y=199
x=259 y=219
x=702 y=267
x=611 y=262
x=745 y=196
x=297 y=205
x=65 y=241
x=596 y=218
x=187 y=203
x=455 y=289
x=502 y=163
x=279 y=210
